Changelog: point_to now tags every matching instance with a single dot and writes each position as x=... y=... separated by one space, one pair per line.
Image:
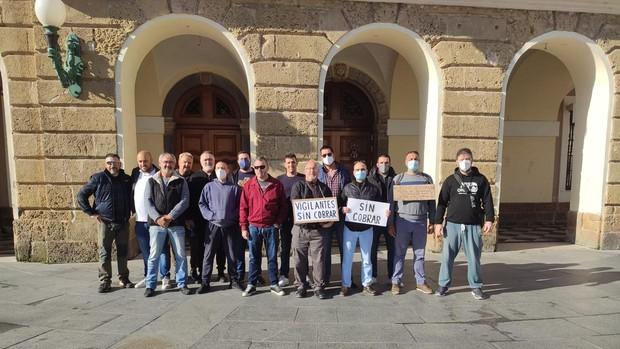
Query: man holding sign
x=411 y=213
x=312 y=235
x=360 y=199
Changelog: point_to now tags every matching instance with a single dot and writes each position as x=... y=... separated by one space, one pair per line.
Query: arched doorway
x=348 y=123
x=207 y=117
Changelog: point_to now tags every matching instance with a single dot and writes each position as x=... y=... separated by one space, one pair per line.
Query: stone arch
x=343 y=72
x=424 y=64
x=139 y=43
x=592 y=75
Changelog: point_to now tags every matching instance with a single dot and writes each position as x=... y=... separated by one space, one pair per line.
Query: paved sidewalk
x=541 y=296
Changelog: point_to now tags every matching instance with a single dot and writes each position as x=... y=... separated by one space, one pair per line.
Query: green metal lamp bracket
x=69 y=73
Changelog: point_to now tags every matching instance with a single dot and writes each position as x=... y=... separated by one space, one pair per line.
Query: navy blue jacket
x=113 y=196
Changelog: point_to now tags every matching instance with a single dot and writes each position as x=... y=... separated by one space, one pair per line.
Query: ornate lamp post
x=52 y=14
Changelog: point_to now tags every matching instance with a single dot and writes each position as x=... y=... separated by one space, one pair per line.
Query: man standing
x=139 y=176
x=288 y=180
x=245 y=171
x=167 y=197
x=112 y=208
x=335 y=176
x=382 y=176
x=410 y=218
x=466 y=195
x=261 y=213
x=310 y=238
x=219 y=205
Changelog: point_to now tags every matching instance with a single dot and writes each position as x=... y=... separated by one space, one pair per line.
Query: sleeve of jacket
x=442 y=201
x=283 y=211
x=432 y=211
x=296 y=191
x=342 y=200
x=244 y=209
x=150 y=205
x=487 y=201
x=204 y=204
x=182 y=205
x=85 y=192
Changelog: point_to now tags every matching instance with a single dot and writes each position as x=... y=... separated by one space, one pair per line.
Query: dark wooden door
x=207 y=118
x=349 y=125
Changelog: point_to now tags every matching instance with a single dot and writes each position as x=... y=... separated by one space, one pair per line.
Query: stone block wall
x=59 y=141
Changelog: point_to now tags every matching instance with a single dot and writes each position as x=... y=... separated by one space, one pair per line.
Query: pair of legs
x=314 y=244
x=176 y=236
x=270 y=236
x=389 y=243
x=350 y=239
x=230 y=239
x=107 y=233
x=416 y=233
x=144 y=243
x=470 y=238
x=197 y=249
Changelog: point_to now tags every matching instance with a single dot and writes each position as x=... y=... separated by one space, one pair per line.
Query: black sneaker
x=441 y=291
x=185 y=290
x=320 y=294
x=204 y=288
x=478 y=294
x=105 y=287
x=125 y=283
x=301 y=292
x=149 y=292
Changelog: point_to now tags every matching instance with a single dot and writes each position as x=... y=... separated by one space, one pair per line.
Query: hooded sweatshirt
x=463 y=206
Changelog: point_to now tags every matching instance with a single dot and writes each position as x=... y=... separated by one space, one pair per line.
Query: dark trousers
x=119 y=233
x=230 y=239
x=197 y=248
x=335 y=230
x=313 y=243
x=389 y=242
x=285 y=247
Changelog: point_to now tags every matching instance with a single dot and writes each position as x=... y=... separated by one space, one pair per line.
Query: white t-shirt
x=138 y=195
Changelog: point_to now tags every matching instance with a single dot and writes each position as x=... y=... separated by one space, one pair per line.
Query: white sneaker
x=165 y=283
x=283 y=282
x=141 y=283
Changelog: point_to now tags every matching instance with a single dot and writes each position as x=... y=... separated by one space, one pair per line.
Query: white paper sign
x=367 y=212
x=315 y=210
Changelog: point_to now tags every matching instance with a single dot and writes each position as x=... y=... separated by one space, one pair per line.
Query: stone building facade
x=293 y=75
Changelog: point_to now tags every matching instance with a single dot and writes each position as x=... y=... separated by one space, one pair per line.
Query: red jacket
x=262 y=209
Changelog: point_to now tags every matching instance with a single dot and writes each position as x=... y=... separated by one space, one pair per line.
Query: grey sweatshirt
x=219 y=203
x=414 y=210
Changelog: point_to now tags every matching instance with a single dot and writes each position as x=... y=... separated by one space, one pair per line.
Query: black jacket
x=384 y=184
x=301 y=190
x=362 y=191
x=196 y=183
x=113 y=200
x=463 y=206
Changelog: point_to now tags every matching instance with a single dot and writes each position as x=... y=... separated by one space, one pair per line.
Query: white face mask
x=464 y=165
x=328 y=160
x=221 y=174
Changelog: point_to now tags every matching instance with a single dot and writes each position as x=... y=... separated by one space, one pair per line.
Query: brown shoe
x=369 y=291
x=395 y=289
x=344 y=291
x=424 y=288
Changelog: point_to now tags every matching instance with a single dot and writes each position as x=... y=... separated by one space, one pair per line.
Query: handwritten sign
x=414 y=192
x=315 y=210
x=367 y=212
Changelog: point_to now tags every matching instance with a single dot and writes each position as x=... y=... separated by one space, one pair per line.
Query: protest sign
x=414 y=192
x=367 y=212
x=315 y=210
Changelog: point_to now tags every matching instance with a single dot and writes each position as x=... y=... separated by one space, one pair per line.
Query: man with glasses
x=261 y=213
x=112 y=208
x=335 y=176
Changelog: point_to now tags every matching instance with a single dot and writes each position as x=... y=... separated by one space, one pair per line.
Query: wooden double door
x=349 y=123
x=208 y=118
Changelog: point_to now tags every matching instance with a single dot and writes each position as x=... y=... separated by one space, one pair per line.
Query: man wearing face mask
x=466 y=195
x=219 y=205
x=197 y=225
x=363 y=190
x=382 y=176
x=245 y=171
x=410 y=223
x=335 y=176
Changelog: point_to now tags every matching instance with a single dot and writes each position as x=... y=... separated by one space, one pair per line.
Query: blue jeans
x=158 y=237
x=270 y=236
x=406 y=232
x=144 y=243
x=349 y=241
x=470 y=237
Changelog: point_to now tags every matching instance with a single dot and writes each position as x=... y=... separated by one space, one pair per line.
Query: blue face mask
x=360 y=175
x=413 y=165
x=244 y=164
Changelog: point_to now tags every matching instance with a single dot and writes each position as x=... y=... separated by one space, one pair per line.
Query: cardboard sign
x=367 y=212
x=315 y=210
x=414 y=192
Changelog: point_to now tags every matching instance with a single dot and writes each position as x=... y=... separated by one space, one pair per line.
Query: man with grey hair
x=167 y=198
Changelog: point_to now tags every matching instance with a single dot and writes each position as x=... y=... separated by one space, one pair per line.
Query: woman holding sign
x=363 y=210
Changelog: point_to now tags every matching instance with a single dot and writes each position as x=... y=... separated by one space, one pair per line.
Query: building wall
x=59 y=141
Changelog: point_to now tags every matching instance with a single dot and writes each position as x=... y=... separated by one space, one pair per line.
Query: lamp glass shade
x=50 y=12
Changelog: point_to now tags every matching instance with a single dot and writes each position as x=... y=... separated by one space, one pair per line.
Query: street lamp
x=52 y=14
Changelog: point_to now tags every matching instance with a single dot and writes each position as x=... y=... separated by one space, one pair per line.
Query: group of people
x=225 y=212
